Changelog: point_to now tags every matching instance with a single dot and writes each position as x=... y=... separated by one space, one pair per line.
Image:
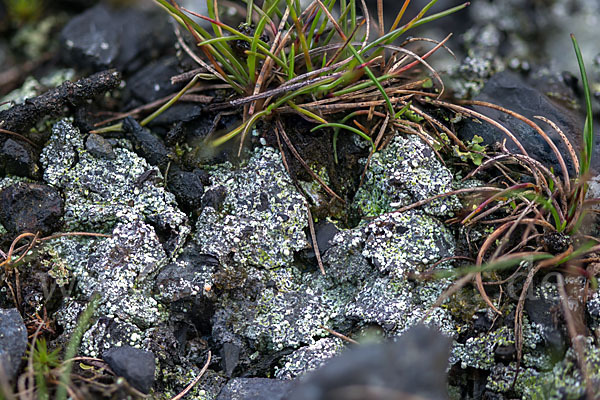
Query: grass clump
x=541 y=223
x=319 y=62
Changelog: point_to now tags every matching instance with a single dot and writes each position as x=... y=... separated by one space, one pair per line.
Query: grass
x=287 y=60
x=538 y=224
x=48 y=374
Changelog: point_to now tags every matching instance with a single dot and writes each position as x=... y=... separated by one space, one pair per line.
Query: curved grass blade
x=349 y=128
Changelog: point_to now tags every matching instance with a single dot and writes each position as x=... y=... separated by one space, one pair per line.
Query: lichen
x=406 y=171
x=262 y=219
x=308 y=358
x=100 y=192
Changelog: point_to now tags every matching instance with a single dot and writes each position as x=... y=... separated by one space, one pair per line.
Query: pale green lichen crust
x=100 y=192
x=406 y=171
x=563 y=381
x=121 y=269
x=308 y=358
x=262 y=218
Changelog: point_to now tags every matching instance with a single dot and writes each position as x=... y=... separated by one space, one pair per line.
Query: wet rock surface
x=414 y=365
x=30 y=207
x=13 y=342
x=135 y=365
x=508 y=90
x=255 y=389
x=93 y=39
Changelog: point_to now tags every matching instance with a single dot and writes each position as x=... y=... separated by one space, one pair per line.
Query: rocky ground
x=202 y=258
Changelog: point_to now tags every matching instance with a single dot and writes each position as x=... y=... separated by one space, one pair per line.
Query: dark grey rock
x=255 y=389
x=187 y=187
x=214 y=197
x=99 y=147
x=30 y=207
x=325 y=232
x=542 y=311
x=18 y=159
x=230 y=357
x=414 y=365
x=189 y=275
x=153 y=82
x=13 y=341
x=135 y=365
x=508 y=90
x=148 y=145
x=94 y=39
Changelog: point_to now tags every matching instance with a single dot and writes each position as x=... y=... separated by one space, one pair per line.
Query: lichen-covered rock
x=191 y=274
x=101 y=192
x=122 y=269
x=401 y=243
x=262 y=218
x=308 y=358
x=286 y=311
x=255 y=388
x=406 y=171
x=479 y=351
x=561 y=381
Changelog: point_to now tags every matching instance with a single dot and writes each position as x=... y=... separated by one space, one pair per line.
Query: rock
x=230 y=357
x=107 y=333
x=30 y=207
x=308 y=358
x=191 y=274
x=508 y=90
x=282 y=311
x=148 y=145
x=325 y=232
x=153 y=82
x=255 y=389
x=263 y=216
x=100 y=192
x=187 y=187
x=120 y=268
x=99 y=147
x=214 y=197
x=541 y=311
x=405 y=172
x=13 y=342
x=413 y=365
x=17 y=158
x=93 y=39
x=135 y=365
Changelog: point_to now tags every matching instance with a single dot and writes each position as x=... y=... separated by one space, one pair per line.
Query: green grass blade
x=588 y=129
x=73 y=345
x=220 y=51
x=374 y=79
x=395 y=34
x=349 y=128
x=251 y=61
x=169 y=103
x=336 y=132
x=300 y=34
